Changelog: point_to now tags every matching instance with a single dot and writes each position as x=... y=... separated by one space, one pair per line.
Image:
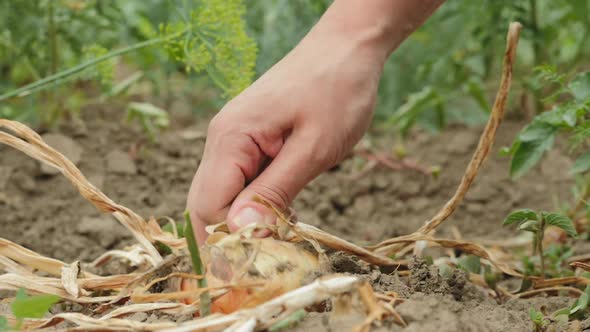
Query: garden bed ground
x=43 y=212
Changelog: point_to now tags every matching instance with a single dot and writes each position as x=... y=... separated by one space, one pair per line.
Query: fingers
x=231 y=159
x=222 y=174
x=297 y=164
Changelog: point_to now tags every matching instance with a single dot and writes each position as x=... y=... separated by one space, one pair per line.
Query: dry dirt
x=41 y=211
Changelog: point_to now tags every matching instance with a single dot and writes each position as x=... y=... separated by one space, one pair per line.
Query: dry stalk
x=543 y=283
x=583 y=266
x=26 y=140
x=311 y=233
x=318 y=291
x=534 y=292
x=69 y=278
x=376 y=311
x=483 y=148
x=30 y=259
x=466 y=246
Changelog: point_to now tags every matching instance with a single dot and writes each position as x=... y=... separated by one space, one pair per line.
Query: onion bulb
x=275 y=266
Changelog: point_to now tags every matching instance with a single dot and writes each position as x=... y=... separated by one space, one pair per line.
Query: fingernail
x=247 y=216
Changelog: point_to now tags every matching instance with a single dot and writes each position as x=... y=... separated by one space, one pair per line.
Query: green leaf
x=562 y=311
x=470 y=263
x=563 y=115
x=560 y=221
x=536 y=316
x=476 y=91
x=32 y=306
x=581 y=304
x=417 y=103
x=580 y=87
x=529 y=226
x=520 y=216
x=528 y=154
x=445 y=271
x=582 y=164
x=198 y=266
x=537 y=131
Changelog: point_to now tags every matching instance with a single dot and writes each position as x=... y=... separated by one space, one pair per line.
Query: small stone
x=120 y=162
x=66 y=146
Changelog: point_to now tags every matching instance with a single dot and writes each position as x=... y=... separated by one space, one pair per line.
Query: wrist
x=376 y=26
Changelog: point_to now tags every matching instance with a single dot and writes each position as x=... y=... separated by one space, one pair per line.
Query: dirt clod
x=120 y=162
x=426 y=279
x=67 y=146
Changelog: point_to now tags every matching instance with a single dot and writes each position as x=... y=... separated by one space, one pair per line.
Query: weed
x=198 y=267
x=536 y=223
x=539 y=320
x=25 y=306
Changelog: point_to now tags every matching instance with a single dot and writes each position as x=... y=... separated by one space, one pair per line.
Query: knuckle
x=276 y=196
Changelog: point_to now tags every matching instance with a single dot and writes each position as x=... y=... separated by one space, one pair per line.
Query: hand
x=299 y=119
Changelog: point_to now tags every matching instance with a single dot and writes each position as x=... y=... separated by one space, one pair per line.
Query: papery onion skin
x=278 y=265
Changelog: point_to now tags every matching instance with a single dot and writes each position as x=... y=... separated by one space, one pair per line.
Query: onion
x=277 y=265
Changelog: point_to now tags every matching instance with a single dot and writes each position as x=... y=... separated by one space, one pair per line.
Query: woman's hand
x=301 y=117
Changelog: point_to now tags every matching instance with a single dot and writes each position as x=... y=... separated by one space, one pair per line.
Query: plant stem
x=55 y=78
x=536 y=49
x=198 y=267
x=52 y=36
x=541 y=235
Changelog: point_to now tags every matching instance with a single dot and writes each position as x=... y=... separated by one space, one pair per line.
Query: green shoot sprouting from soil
x=25 y=306
x=198 y=267
x=536 y=223
x=538 y=319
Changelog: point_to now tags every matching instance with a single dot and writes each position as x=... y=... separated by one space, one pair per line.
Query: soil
x=42 y=211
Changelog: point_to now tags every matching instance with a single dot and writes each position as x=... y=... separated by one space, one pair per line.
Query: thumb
x=295 y=166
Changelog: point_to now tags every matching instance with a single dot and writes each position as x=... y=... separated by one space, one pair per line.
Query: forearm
x=381 y=25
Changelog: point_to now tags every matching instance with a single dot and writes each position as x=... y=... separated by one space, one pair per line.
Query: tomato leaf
x=580 y=87
x=528 y=154
x=582 y=164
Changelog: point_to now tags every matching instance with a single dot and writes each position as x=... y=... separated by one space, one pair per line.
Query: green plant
x=568 y=115
x=25 y=306
x=198 y=266
x=536 y=223
x=556 y=257
x=151 y=117
x=469 y=263
x=539 y=320
x=210 y=38
x=578 y=309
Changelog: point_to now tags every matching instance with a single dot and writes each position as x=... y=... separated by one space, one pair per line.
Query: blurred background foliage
x=445 y=73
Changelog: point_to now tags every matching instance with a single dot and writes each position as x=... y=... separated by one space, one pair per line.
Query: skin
x=301 y=117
